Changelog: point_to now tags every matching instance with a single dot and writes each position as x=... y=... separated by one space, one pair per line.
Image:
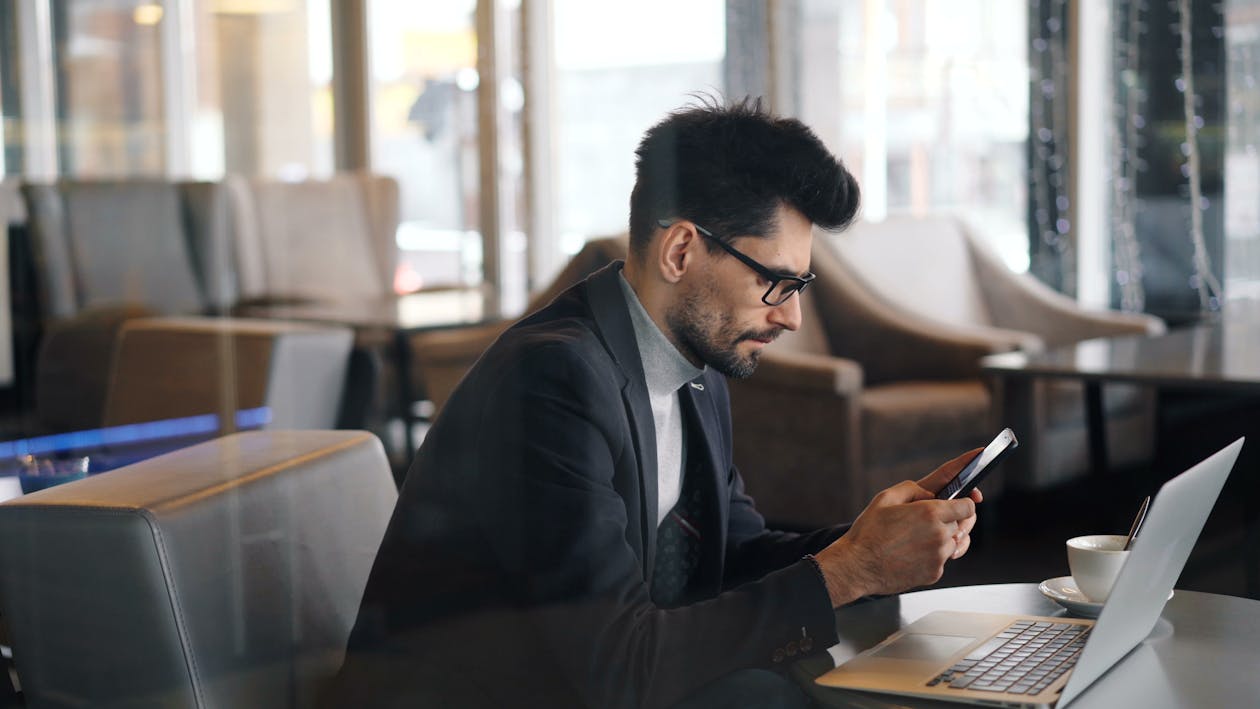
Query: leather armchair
x=862 y=396
x=106 y=252
x=316 y=240
x=227 y=574
x=934 y=267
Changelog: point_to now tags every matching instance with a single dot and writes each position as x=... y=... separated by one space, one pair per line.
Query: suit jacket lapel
x=608 y=306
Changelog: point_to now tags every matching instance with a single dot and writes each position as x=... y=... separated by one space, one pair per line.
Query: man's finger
x=962 y=547
x=966 y=525
x=954 y=510
x=902 y=493
x=938 y=478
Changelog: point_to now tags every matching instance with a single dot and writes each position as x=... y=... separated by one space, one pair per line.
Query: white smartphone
x=974 y=472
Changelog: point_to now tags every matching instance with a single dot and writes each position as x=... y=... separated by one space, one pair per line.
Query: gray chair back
x=228 y=574
x=50 y=250
x=155 y=243
x=922 y=265
x=330 y=239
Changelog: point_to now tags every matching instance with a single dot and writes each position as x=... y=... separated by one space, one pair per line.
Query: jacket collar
x=612 y=321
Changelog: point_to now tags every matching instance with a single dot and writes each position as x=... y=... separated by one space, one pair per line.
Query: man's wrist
x=844 y=576
x=813 y=560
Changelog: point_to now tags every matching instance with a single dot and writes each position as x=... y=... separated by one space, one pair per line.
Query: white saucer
x=1063 y=590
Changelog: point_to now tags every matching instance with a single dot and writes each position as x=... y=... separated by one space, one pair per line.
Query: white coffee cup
x=1095 y=561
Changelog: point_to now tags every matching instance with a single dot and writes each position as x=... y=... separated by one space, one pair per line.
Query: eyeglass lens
x=782 y=291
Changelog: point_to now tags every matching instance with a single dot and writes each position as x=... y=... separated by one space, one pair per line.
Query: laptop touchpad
x=916 y=646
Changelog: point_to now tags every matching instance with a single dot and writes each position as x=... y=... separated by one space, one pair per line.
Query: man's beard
x=712 y=338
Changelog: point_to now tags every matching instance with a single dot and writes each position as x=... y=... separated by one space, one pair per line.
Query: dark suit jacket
x=517 y=566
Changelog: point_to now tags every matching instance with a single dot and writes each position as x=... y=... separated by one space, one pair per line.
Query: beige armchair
x=934 y=267
x=317 y=240
x=862 y=396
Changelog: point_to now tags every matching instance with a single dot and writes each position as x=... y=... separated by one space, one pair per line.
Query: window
x=1242 y=151
x=109 y=87
x=11 y=162
x=264 y=76
x=423 y=97
x=619 y=69
x=927 y=103
x=425 y=93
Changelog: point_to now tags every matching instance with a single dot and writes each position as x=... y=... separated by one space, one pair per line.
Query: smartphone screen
x=974 y=471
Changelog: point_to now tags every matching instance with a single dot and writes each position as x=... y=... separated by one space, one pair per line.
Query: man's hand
x=902 y=539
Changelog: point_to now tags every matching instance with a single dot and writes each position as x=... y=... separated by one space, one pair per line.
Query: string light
x=1048 y=114
x=1204 y=281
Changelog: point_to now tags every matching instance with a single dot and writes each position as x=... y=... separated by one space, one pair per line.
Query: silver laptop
x=981 y=658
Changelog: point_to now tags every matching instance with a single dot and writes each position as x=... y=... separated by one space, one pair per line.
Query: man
x=573 y=531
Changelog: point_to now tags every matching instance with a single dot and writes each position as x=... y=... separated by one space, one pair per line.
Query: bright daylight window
x=423 y=64
x=620 y=68
x=264 y=94
x=110 y=100
x=927 y=102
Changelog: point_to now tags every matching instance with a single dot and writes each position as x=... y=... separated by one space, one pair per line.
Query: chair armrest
x=1018 y=300
x=809 y=372
x=441 y=358
x=296 y=370
x=893 y=343
x=797 y=438
x=73 y=364
x=465 y=344
x=247 y=307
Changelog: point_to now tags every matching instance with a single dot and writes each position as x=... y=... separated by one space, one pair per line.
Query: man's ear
x=676 y=252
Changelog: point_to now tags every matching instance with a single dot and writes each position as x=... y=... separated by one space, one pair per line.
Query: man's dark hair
x=729 y=168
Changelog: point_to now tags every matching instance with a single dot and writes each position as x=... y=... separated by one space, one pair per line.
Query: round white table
x=1203 y=652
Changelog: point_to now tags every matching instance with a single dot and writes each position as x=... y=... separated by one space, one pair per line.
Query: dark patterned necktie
x=678 y=544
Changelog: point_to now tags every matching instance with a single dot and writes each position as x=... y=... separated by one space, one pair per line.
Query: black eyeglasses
x=782 y=285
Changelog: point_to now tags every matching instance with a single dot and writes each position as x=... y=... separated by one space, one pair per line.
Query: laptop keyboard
x=1023 y=659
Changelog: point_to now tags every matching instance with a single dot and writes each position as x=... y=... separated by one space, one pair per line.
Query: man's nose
x=788 y=313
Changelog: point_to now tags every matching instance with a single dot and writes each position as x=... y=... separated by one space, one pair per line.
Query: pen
x=1137 y=523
